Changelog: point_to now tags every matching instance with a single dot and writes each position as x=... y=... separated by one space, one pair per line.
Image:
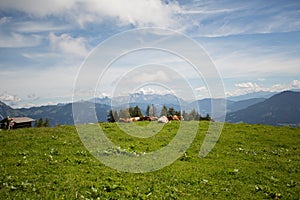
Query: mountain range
x=279 y=109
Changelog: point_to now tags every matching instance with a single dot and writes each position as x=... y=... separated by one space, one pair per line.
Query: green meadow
x=247 y=162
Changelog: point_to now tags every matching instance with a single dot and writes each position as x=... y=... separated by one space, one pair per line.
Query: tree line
x=42 y=123
x=114 y=115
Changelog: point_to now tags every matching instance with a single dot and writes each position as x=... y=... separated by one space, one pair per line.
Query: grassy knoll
x=248 y=162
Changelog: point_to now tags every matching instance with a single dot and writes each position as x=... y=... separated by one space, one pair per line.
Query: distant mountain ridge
x=204 y=105
x=57 y=114
x=281 y=108
x=253 y=95
x=140 y=99
x=234 y=106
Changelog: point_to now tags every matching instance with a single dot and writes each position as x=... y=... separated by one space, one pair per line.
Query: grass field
x=248 y=162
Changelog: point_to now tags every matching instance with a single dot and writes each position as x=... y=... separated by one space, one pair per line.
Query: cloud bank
x=125 y=12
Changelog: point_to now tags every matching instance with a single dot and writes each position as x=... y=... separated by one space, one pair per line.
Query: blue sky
x=254 y=45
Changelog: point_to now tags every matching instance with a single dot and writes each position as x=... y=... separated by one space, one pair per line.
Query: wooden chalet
x=16 y=122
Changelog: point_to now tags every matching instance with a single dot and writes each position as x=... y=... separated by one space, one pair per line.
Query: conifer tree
x=110 y=116
x=130 y=110
x=185 y=115
x=194 y=115
x=46 y=123
x=124 y=113
x=148 y=110
x=40 y=123
x=116 y=116
x=137 y=112
x=164 y=111
x=171 y=111
x=153 y=110
x=178 y=113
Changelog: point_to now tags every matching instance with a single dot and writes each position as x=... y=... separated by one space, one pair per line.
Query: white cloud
x=38 y=27
x=50 y=84
x=211 y=19
x=249 y=87
x=149 y=90
x=14 y=40
x=40 y=57
x=68 y=45
x=134 y=12
x=244 y=88
x=32 y=97
x=205 y=11
x=261 y=79
x=215 y=19
x=158 y=76
x=4 y=20
x=201 y=89
x=9 y=97
x=295 y=84
x=202 y=92
x=38 y=8
x=99 y=94
x=254 y=62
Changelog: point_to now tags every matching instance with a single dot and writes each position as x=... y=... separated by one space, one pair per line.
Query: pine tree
x=194 y=115
x=137 y=112
x=116 y=116
x=153 y=111
x=148 y=110
x=40 y=123
x=110 y=116
x=207 y=117
x=130 y=110
x=164 y=111
x=46 y=123
x=178 y=113
x=124 y=113
x=185 y=115
x=171 y=111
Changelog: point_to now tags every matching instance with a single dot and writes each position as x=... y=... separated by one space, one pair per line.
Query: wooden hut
x=16 y=122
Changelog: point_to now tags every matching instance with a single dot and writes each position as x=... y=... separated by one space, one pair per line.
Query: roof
x=22 y=119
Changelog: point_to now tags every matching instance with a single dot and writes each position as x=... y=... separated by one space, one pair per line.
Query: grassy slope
x=248 y=162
